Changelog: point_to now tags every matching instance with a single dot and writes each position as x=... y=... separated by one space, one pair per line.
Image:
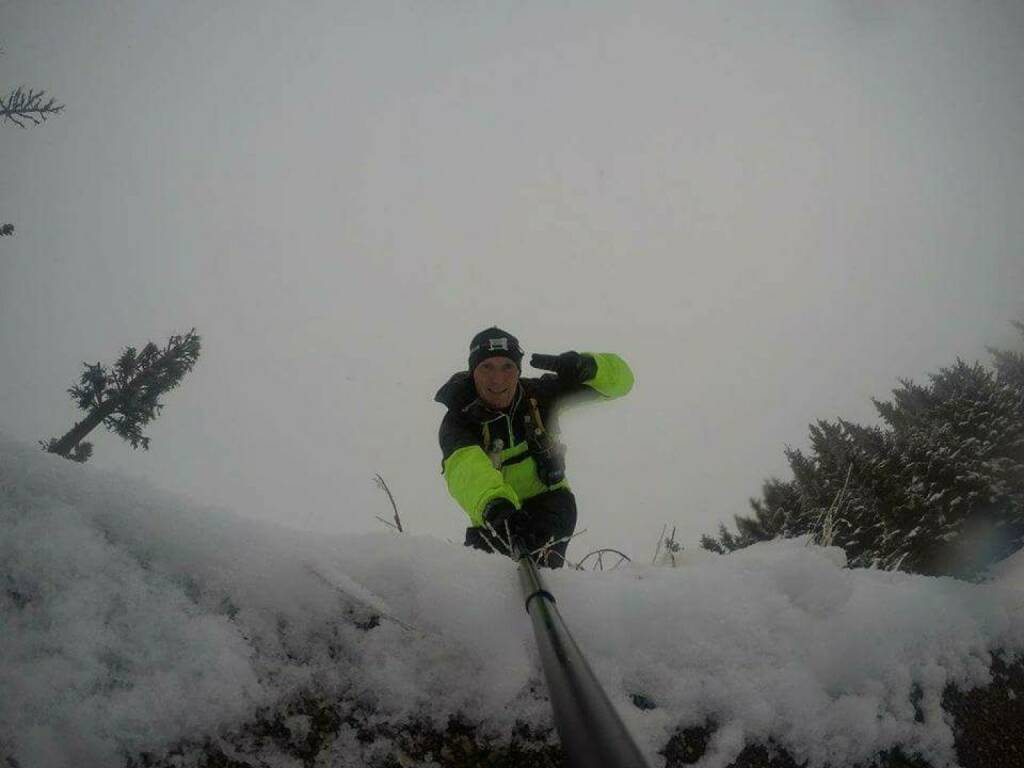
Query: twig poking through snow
x=398 y=520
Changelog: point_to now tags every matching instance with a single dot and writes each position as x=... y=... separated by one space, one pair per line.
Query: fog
x=772 y=211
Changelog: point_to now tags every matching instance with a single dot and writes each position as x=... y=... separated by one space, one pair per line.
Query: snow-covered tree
x=937 y=488
x=1009 y=365
x=956 y=454
x=772 y=512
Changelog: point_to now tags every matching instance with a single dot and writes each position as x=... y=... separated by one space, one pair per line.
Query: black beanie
x=494 y=342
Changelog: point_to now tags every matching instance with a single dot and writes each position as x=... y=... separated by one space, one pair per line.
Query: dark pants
x=550 y=515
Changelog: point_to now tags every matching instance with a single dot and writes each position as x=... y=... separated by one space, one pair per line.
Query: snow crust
x=131 y=620
x=1010 y=571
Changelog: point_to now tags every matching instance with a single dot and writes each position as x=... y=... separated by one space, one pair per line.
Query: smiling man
x=502 y=459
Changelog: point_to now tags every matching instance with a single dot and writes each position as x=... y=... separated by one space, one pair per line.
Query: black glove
x=571 y=367
x=499 y=512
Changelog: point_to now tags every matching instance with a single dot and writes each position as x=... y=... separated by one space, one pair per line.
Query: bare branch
x=388 y=523
x=384 y=486
x=657 y=549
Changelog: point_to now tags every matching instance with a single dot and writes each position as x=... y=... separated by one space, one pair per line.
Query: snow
x=1010 y=571
x=133 y=619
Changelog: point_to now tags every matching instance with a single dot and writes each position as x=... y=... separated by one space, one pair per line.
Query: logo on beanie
x=493 y=344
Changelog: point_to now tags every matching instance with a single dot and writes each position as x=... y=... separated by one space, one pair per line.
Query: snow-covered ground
x=131 y=619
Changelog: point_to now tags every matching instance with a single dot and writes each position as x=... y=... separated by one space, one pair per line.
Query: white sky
x=772 y=211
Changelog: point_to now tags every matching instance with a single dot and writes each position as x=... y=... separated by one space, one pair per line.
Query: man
x=502 y=459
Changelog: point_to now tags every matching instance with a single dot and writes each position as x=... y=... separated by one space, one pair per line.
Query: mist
x=772 y=212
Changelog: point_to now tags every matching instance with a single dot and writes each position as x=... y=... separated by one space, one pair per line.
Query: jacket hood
x=458 y=392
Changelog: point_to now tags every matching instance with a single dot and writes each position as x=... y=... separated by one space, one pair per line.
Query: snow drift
x=134 y=621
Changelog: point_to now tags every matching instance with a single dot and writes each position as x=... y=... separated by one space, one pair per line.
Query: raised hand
x=570 y=366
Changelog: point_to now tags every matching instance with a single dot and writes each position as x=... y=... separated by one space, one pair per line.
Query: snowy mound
x=133 y=621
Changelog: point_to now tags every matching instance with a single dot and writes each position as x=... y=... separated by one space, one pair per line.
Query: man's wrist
x=587 y=368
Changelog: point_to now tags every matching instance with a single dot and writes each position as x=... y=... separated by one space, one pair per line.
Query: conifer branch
x=23 y=106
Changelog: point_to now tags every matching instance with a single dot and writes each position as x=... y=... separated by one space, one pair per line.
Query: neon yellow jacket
x=485 y=452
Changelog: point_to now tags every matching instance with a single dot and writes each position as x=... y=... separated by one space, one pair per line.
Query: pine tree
x=126 y=397
x=23 y=106
x=724 y=544
x=938 y=488
x=711 y=544
x=1010 y=365
x=957 y=450
x=771 y=513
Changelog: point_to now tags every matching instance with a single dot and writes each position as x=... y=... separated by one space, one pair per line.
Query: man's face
x=496 y=379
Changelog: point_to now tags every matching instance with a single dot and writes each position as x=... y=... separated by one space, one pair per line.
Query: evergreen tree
x=938 y=488
x=711 y=544
x=23 y=106
x=724 y=544
x=771 y=513
x=957 y=456
x=126 y=397
x=1010 y=365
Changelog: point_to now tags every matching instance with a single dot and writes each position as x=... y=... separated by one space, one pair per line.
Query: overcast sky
x=771 y=210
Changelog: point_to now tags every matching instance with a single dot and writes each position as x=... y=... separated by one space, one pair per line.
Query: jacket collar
x=459 y=394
